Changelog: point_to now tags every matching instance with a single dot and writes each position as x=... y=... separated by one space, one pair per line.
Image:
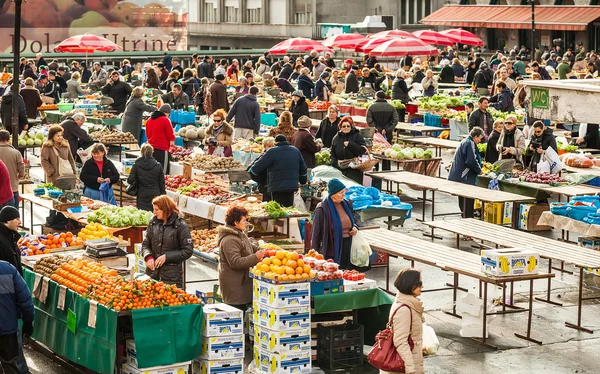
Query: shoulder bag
x=384 y=355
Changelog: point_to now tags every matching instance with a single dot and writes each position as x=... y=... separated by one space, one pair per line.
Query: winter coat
x=321 y=229
x=6 y=110
x=51 y=89
x=159 y=131
x=447 y=74
x=74 y=89
x=90 y=173
x=299 y=109
x=283 y=166
x=14 y=163
x=418 y=77
x=476 y=118
x=73 y=134
x=133 y=117
x=322 y=90
x=351 y=82
x=31 y=98
x=218 y=95
x=491 y=153
x=517 y=149
x=6 y=191
x=459 y=70
x=592 y=138
x=119 y=92
x=429 y=86
x=284 y=128
x=503 y=101
x=49 y=159
x=402 y=329
x=172 y=239
x=246 y=111
x=150 y=178
x=97 y=78
x=190 y=86
x=356 y=147
x=400 y=90
x=327 y=131
x=383 y=116
x=177 y=102
x=9 y=251
x=205 y=70
x=286 y=71
x=482 y=79
x=306 y=86
x=547 y=140
x=304 y=141
x=237 y=257
x=15 y=300
x=466 y=165
x=224 y=139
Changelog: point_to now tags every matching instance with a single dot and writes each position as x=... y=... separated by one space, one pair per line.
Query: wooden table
x=458 y=262
x=410 y=128
x=594 y=170
x=424 y=166
x=119 y=144
x=549 y=249
x=437 y=143
x=46 y=204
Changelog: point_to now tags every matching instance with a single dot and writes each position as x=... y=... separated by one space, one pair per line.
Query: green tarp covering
x=94 y=348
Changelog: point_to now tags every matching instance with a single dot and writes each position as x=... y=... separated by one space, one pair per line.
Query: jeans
x=10 y=202
x=16 y=197
x=21 y=362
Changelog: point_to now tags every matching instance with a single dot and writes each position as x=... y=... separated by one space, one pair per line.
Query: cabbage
x=428 y=154
x=419 y=153
x=397 y=147
x=400 y=156
x=30 y=141
x=388 y=152
x=37 y=141
x=40 y=135
x=408 y=154
x=22 y=142
x=393 y=154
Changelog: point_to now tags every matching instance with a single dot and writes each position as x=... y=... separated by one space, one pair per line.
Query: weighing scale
x=101 y=248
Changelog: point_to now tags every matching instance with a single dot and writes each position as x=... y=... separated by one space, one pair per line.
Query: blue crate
x=432 y=120
x=326 y=287
x=268 y=119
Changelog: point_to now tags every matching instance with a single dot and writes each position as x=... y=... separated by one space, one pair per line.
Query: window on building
x=253 y=15
x=468 y=2
x=231 y=14
x=210 y=13
x=412 y=11
x=302 y=18
x=564 y=2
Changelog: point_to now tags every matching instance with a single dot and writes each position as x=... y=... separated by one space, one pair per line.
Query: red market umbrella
x=403 y=46
x=86 y=43
x=433 y=37
x=298 y=45
x=462 y=36
x=391 y=33
x=372 y=43
x=345 y=41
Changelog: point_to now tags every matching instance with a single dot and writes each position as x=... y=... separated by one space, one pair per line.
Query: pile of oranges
x=284 y=266
x=78 y=275
x=58 y=240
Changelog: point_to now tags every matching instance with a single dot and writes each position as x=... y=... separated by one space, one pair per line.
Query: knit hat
x=304 y=122
x=280 y=138
x=165 y=108
x=298 y=93
x=8 y=213
x=334 y=186
x=349 y=61
x=324 y=75
x=220 y=77
x=380 y=95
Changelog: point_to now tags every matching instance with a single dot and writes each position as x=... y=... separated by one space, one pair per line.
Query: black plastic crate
x=340 y=346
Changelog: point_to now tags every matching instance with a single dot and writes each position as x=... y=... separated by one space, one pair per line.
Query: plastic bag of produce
x=552 y=158
x=577 y=160
x=431 y=344
x=360 y=250
x=299 y=202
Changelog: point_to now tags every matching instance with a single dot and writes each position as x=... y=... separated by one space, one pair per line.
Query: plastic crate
x=432 y=120
x=340 y=346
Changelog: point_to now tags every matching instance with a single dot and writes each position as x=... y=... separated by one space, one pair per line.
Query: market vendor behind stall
x=98 y=175
x=75 y=135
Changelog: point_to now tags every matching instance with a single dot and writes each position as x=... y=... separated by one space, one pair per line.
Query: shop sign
x=539 y=98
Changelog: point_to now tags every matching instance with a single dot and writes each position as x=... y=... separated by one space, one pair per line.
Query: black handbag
x=132 y=189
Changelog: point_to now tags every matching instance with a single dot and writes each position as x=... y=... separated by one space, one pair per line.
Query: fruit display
x=48 y=265
x=577 y=160
x=94 y=231
x=205 y=240
x=284 y=266
x=30 y=245
x=113 y=216
x=179 y=153
x=353 y=275
x=48 y=107
x=192 y=132
x=115 y=136
x=105 y=115
x=542 y=178
x=248 y=146
x=326 y=269
x=319 y=105
x=35 y=136
x=173 y=182
x=79 y=274
x=488 y=167
x=399 y=153
x=213 y=163
x=195 y=189
x=323 y=157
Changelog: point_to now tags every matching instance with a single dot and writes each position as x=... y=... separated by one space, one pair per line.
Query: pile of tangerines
x=284 y=266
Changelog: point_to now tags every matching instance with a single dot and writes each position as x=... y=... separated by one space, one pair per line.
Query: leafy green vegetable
x=274 y=209
x=113 y=216
x=323 y=157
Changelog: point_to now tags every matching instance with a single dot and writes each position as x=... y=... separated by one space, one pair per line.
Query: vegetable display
x=213 y=163
x=323 y=157
x=399 y=153
x=274 y=210
x=482 y=147
x=542 y=178
x=113 y=216
x=205 y=240
x=577 y=160
x=398 y=104
x=566 y=147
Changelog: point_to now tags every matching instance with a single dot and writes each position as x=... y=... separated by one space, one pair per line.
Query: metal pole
x=16 y=62
x=532 y=29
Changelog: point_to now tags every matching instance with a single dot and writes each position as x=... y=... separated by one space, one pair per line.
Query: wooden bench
x=459 y=263
x=549 y=249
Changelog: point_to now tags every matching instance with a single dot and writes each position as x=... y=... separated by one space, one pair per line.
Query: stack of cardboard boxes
x=282 y=326
x=591 y=242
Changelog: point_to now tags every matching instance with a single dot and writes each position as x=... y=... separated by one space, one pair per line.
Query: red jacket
x=6 y=192
x=159 y=131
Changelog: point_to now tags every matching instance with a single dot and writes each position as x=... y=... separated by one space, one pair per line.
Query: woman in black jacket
x=471 y=70
x=168 y=243
x=148 y=175
x=491 y=153
x=346 y=145
x=98 y=170
x=299 y=106
x=189 y=84
x=591 y=137
x=329 y=126
x=399 y=87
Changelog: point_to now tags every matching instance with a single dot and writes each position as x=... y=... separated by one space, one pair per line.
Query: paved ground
x=564 y=350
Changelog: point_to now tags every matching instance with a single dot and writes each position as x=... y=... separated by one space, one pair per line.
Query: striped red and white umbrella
x=298 y=45
x=345 y=41
x=372 y=43
x=462 y=36
x=391 y=33
x=403 y=46
x=433 y=37
x=86 y=43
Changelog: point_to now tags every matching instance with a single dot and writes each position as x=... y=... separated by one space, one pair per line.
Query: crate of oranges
x=283 y=266
x=30 y=245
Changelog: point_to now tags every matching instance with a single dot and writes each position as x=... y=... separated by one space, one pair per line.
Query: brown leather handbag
x=384 y=355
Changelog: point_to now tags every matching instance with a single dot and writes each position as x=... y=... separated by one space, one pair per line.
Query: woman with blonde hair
x=511 y=143
x=248 y=67
x=147 y=179
x=284 y=127
x=168 y=243
x=134 y=109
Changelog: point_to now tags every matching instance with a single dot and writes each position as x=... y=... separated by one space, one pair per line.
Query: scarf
x=335 y=228
x=217 y=130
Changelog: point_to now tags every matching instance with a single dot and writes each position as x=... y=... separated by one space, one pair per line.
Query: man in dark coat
x=352 y=81
x=285 y=169
x=384 y=117
x=50 y=86
x=466 y=166
x=75 y=135
x=218 y=94
x=246 y=112
x=6 y=111
x=118 y=91
x=481 y=117
x=286 y=71
x=9 y=225
x=205 y=69
x=305 y=142
x=149 y=176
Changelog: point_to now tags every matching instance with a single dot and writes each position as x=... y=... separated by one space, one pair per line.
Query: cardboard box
x=172 y=369
x=127 y=165
x=498 y=213
x=282 y=319
x=233 y=366
x=222 y=319
x=591 y=242
x=326 y=287
x=282 y=341
x=529 y=215
x=282 y=295
x=509 y=262
x=275 y=363
x=222 y=347
x=365 y=284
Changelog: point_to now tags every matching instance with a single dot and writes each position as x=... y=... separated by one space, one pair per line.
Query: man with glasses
x=542 y=139
x=118 y=91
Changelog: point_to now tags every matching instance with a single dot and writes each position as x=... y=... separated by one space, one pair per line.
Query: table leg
x=579 y=307
x=547 y=299
x=31 y=217
x=483 y=339
x=387 y=274
x=529 y=315
x=454 y=292
x=457 y=241
x=504 y=298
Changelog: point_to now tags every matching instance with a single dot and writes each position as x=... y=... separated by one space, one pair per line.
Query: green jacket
x=563 y=69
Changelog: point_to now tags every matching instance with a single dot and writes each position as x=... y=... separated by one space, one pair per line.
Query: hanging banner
x=135 y=25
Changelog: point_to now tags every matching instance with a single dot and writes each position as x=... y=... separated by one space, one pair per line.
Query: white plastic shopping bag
x=431 y=344
x=360 y=251
x=553 y=160
x=299 y=202
x=543 y=167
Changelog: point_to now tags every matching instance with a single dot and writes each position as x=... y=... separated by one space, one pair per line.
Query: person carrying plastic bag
x=98 y=175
